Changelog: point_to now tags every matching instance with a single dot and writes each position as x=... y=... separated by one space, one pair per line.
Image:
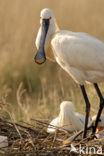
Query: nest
x=31 y=140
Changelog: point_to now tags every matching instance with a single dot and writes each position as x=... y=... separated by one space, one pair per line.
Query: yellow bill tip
x=39 y=61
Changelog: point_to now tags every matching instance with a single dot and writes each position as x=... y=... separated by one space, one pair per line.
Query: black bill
x=40 y=56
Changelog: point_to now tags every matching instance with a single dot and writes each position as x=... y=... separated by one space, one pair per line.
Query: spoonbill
x=79 y=54
x=67 y=119
x=100 y=128
x=100 y=123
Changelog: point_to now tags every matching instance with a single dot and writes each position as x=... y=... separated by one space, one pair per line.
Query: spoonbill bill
x=79 y=54
x=67 y=119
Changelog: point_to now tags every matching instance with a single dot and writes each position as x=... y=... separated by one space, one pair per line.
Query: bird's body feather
x=80 y=54
x=68 y=119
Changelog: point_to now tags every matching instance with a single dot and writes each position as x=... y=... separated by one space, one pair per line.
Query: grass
x=32 y=91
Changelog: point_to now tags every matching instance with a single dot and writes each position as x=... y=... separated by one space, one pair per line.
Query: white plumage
x=100 y=128
x=101 y=122
x=67 y=119
x=80 y=54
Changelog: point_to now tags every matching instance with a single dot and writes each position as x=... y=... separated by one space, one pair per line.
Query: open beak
x=40 y=56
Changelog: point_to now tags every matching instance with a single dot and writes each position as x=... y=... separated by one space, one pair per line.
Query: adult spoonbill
x=67 y=119
x=79 y=54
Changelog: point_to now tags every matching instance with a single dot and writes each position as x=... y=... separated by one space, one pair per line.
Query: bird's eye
x=43 y=18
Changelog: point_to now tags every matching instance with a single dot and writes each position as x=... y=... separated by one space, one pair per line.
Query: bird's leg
x=100 y=107
x=87 y=109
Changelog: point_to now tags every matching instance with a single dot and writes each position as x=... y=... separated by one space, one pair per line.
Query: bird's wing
x=79 y=50
x=80 y=117
x=51 y=128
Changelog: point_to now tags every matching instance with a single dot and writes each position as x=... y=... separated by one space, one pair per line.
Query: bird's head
x=47 y=26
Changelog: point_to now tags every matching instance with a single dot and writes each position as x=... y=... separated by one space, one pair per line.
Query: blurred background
x=28 y=90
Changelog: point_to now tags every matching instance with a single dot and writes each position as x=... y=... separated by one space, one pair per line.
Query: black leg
x=87 y=109
x=100 y=107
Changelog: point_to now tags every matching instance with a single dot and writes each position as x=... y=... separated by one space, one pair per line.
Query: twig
x=12 y=123
x=2 y=152
x=46 y=151
x=58 y=128
x=72 y=138
x=27 y=123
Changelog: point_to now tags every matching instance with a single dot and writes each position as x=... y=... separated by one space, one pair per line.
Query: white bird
x=79 y=54
x=100 y=123
x=68 y=119
x=100 y=127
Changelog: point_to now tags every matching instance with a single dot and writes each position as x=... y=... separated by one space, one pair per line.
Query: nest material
x=33 y=140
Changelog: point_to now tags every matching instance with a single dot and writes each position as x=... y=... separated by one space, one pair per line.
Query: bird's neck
x=48 y=47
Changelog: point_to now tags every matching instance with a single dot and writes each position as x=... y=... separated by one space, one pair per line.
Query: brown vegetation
x=47 y=85
x=26 y=89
